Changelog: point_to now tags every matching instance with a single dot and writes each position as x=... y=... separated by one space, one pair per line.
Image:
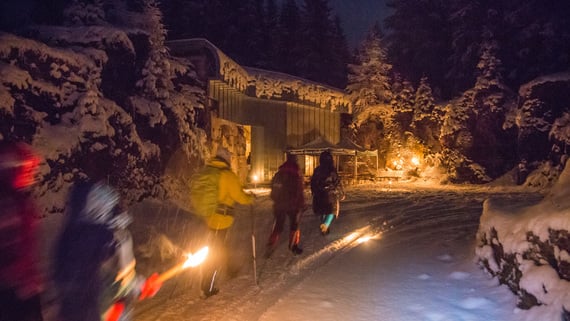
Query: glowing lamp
x=415 y=161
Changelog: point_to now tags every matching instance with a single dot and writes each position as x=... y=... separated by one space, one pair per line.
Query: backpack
x=284 y=187
x=204 y=191
x=322 y=181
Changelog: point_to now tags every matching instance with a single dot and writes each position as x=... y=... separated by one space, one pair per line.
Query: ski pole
x=253 y=243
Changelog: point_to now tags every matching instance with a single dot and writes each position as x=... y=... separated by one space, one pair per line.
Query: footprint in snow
x=445 y=258
x=473 y=303
x=459 y=275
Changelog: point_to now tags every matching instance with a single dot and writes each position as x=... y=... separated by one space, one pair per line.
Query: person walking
x=20 y=279
x=327 y=191
x=94 y=266
x=214 y=191
x=288 y=202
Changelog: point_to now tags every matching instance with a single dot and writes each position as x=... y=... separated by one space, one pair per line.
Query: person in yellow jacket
x=230 y=191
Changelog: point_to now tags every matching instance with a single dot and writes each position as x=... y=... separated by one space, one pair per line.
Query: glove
x=150 y=287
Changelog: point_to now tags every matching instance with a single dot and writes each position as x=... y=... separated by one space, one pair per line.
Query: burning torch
x=193 y=260
x=155 y=281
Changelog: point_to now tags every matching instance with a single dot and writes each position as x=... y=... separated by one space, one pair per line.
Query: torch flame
x=196 y=258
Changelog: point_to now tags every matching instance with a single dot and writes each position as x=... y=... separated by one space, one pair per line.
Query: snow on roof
x=526 y=89
x=268 y=84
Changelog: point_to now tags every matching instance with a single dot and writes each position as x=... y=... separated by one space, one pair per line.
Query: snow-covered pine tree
x=85 y=13
x=369 y=81
x=403 y=102
x=424 y=102
x=427 y=117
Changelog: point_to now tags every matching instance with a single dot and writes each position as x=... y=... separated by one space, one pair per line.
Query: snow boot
x=327 y=220
x=294 y=238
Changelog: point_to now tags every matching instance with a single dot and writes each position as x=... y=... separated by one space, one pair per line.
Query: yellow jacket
x=230 y=191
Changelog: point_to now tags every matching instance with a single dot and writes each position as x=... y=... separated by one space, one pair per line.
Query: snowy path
x=419 y=266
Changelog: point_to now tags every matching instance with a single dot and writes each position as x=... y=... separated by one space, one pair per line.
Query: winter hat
x=224 y=154
x=100 y=201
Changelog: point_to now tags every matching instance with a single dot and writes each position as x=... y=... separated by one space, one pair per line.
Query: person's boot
x=208 y=286
x=325 y=226
x=294 y=238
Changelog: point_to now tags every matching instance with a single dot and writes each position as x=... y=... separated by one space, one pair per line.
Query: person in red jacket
x=288 y=202
x=20 y=280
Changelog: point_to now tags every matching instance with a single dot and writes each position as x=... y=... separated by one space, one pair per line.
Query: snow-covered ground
x=399 y=252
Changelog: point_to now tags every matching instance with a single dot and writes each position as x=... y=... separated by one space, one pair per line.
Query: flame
x=196 y=259
x=255 y=178
x=415 y=160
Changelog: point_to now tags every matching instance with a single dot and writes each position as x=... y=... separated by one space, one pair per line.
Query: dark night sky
x=358 y=16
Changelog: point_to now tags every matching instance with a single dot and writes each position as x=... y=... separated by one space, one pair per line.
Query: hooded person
x=94 y=265
x=288 y=202
x=327 y=191
x=20 y=279
x=215 y=189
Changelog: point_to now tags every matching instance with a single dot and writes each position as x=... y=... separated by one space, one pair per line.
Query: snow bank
x=527 y=249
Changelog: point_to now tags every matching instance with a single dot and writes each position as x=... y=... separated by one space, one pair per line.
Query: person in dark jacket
x=327 y=191
x=86 y=243
x=288 y=202
x=94 y=262
x=20 y=278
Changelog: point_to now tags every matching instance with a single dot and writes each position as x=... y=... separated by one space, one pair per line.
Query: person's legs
x=278 y=224
x=212 y=267
x=329 y=218
x=295 y=231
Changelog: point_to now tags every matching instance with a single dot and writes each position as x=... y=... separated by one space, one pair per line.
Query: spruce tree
x=369 y=78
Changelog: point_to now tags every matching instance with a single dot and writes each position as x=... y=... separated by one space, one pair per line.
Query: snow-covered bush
x=102 y=100
x=527 y=248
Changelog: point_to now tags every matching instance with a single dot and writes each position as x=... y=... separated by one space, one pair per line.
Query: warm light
x=196 y=258
x=255 y=178
x=415 y=161
x=350 y=237
x=363 y=239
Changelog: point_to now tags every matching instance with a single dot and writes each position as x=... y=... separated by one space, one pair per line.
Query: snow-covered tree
x=369 y=81
x=427 y=117
x=424 y=103
x=473 y=123
x=403 y=102
x=85 y=13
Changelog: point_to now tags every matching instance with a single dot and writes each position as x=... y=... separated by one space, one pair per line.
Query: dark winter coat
x=326 y=189
x=81 y=252
x=82 y=249
x=18 y=252
x=287 y=188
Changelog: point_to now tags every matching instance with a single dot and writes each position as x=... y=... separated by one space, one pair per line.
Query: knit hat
x=224 y=154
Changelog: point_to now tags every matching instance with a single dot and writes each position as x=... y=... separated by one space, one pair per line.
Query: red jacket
x=287 y=188
x=18 y=245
